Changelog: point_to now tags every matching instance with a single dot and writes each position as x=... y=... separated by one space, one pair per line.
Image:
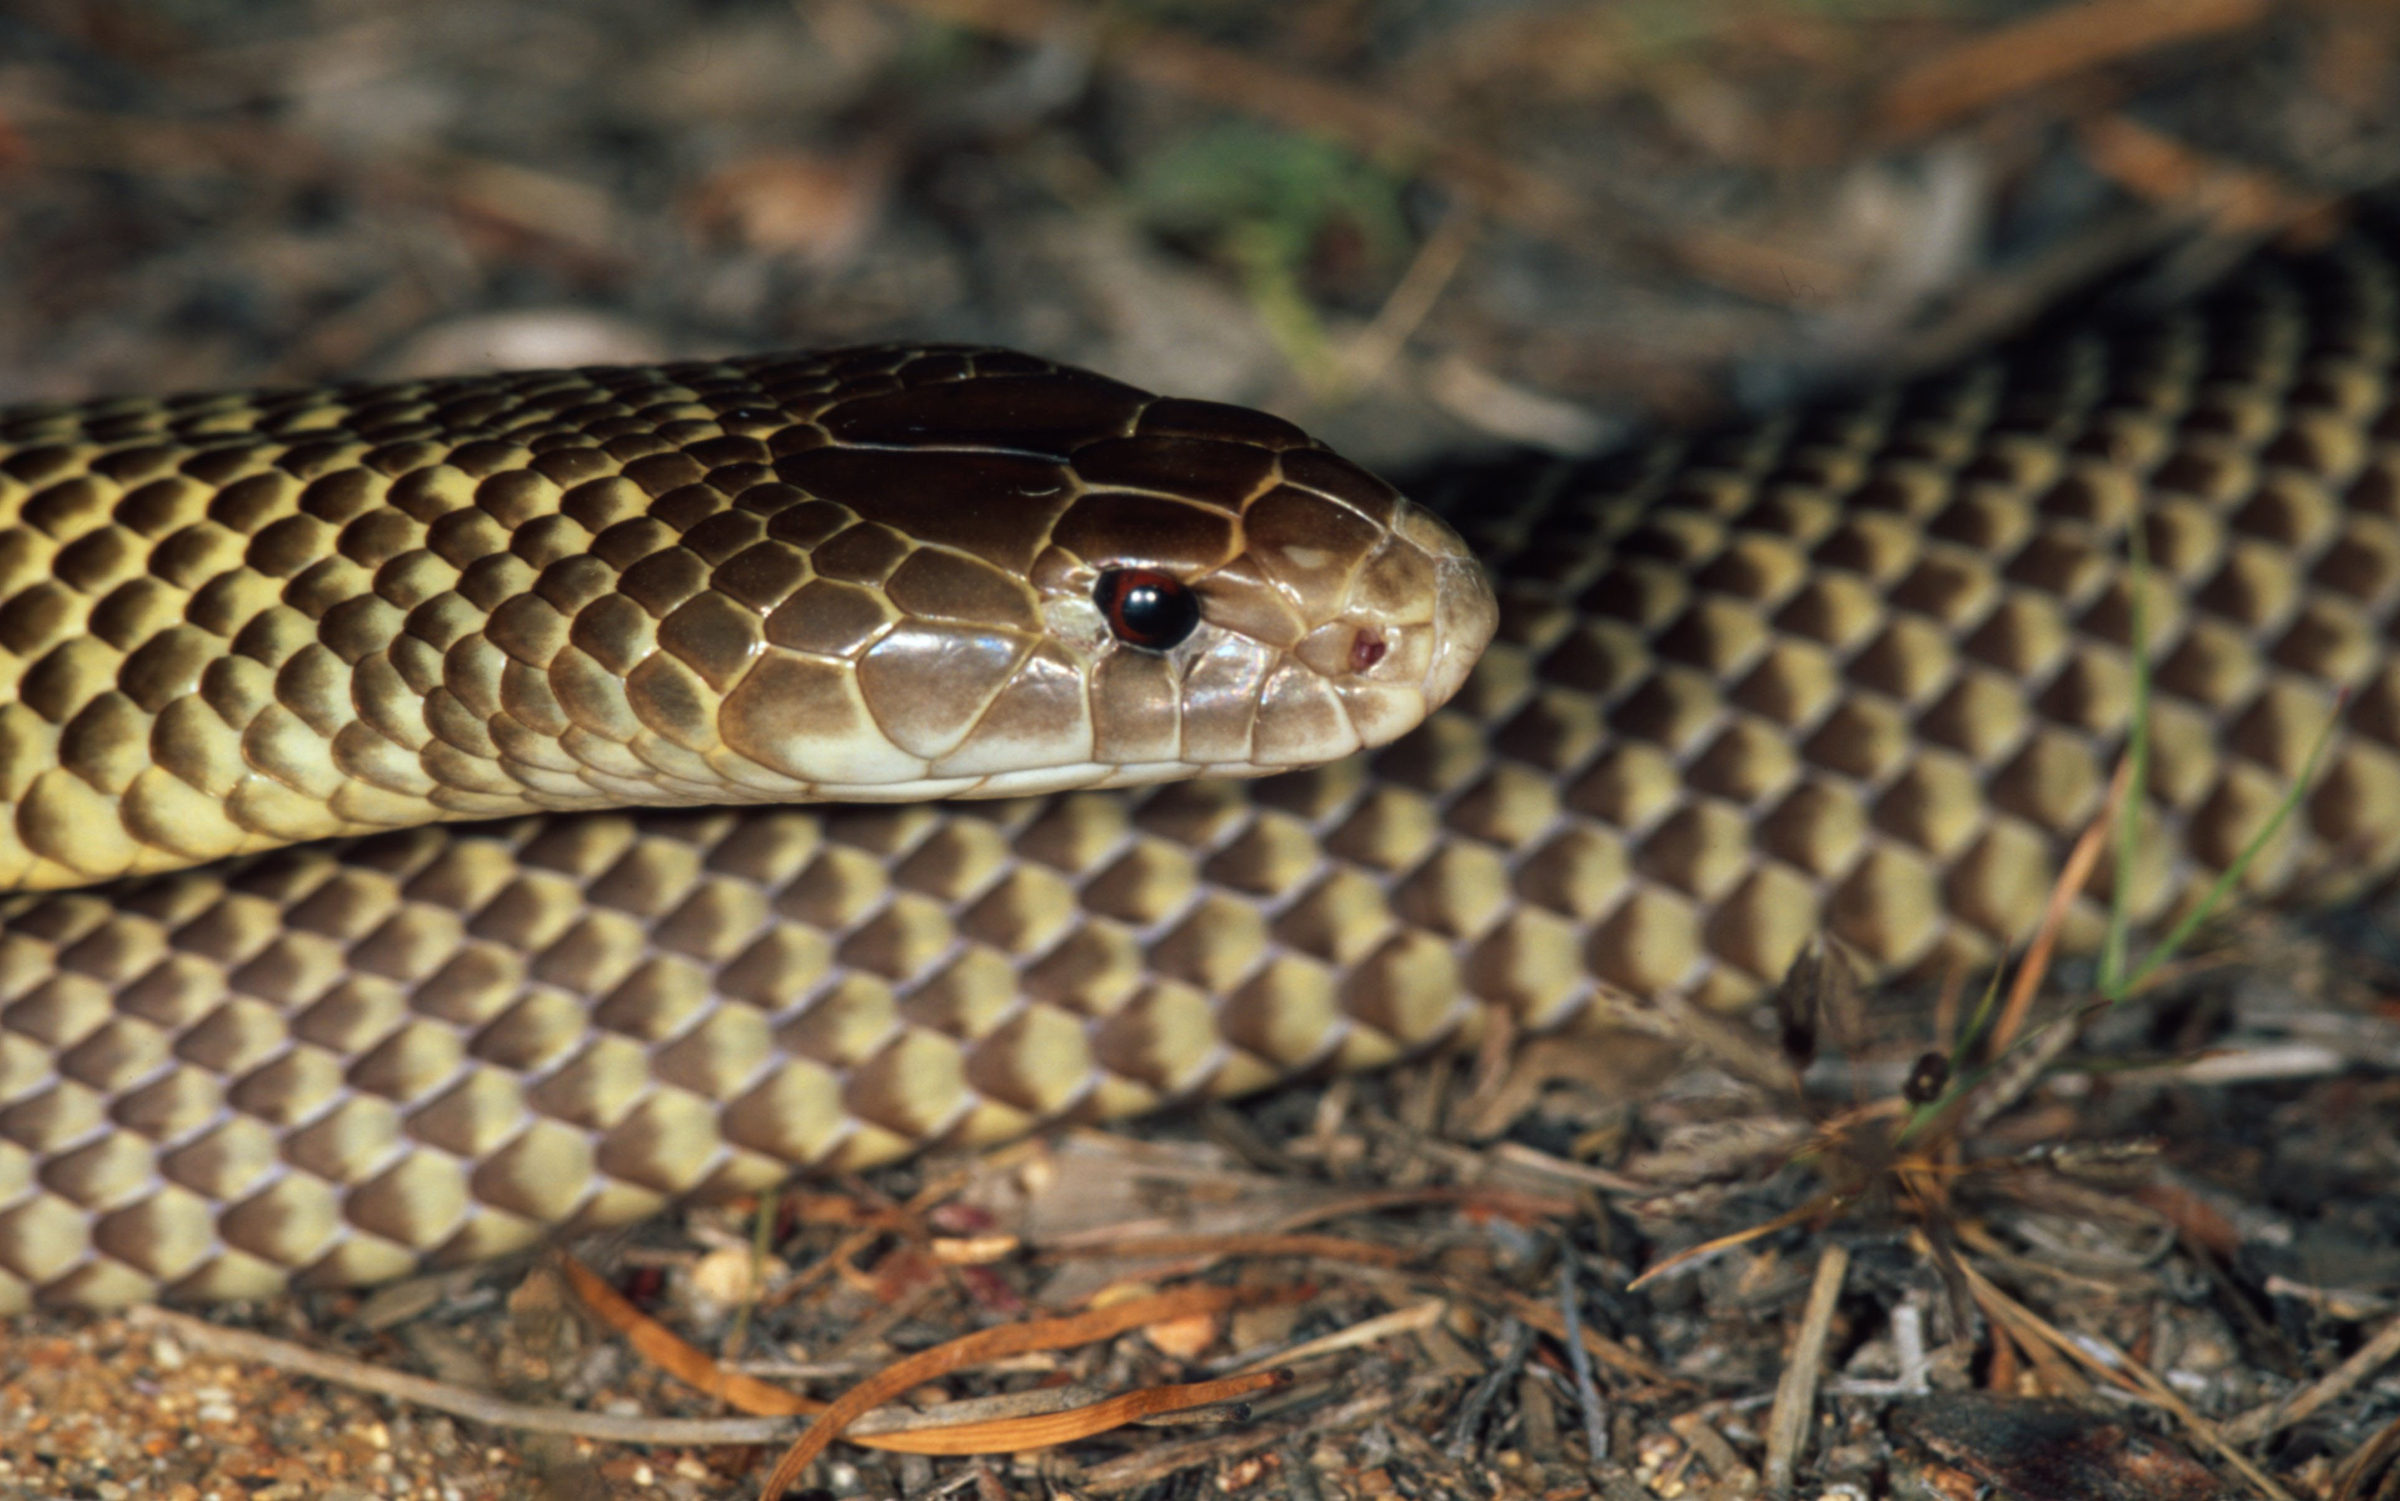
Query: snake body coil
x=1860 y=670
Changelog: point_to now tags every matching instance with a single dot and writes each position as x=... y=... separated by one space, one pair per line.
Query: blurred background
x=1422 y=227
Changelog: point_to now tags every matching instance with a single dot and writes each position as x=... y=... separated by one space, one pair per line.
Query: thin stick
x=1555 y=1322
x=240 y=1344
x=687 y=1363
x=2262 y=1422
x=998 y=1343
x=2108 y=1362
x=1467 y=1426
x=2080 y=861
x=1587 y=1392
x=1796 y=1393
x=1011 y=1435
x=1437 y=261
x=1383 y=1326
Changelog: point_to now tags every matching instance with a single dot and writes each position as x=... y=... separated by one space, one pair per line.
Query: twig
x=1587 y=1392
x=1534 y=1160
x=1796 y=1393
x=240 y=1344
x=1467 y=1424
x=1336 y=1248
x=2071 y=880
x=1365 y=1332
x=2047 y=46
x=1015 y=1432
x=1420 y=287
x=1560 y=1325
x=2107 y=1361
x=2237 y=200
x=998 y=1343
x=2351 y=1480
x=669 y=1352
x=2262 y=1422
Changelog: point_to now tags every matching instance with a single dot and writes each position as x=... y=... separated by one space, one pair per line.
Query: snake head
x=1327 y=614
x=1027 y=577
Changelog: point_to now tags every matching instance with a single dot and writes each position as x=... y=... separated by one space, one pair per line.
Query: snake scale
x=1860 y=669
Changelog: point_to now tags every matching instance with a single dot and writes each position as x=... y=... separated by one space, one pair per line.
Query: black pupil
x=1146 y=608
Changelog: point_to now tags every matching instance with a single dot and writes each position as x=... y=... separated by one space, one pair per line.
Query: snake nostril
x=1366 y=649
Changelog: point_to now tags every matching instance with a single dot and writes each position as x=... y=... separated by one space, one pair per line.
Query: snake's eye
x=1146 y=608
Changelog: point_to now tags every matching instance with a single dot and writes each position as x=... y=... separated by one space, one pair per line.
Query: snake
x=332 y=954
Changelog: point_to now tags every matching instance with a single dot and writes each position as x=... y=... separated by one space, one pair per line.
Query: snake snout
x=1466 y=613
x=1428 y=613
x=1410 y=617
